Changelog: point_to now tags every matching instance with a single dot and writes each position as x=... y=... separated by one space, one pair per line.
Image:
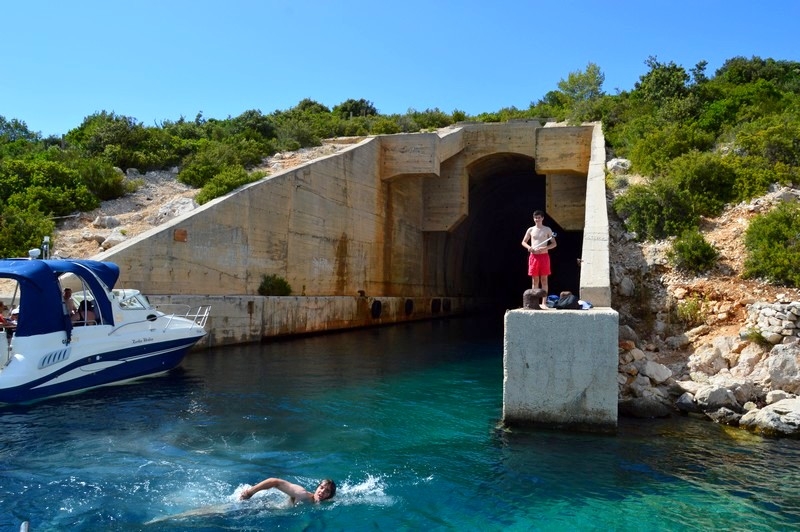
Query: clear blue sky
x=163 y=59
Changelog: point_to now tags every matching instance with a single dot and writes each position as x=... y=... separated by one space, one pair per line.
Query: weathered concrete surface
x=394 y=216
x=560 y=368
x=595 y=266
x=251 y=319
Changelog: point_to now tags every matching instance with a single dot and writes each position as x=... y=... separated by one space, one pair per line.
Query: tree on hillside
x=253 y=124
x=13 y=130
x=353 y=108
x=739 y=71
x=583 y=86
x=663 y=82
x=583 y=91
x=307 y=105
x=577 y=98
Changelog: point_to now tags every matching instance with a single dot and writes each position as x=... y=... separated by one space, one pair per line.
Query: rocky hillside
x=159 y=198
x=708 y=363
x=647 y=289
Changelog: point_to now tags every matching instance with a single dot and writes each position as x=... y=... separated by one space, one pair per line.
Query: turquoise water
x=405 y=418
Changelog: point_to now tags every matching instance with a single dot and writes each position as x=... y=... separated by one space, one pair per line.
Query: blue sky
x=163 y=59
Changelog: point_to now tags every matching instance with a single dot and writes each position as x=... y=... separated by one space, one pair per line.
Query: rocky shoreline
x=741 y=366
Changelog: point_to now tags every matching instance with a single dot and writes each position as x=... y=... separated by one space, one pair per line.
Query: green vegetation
x=227 y=180
x=773 y=244
x=657 y=210
x=691 y=312
x=274 y=285
x=691 y=252
x=754 y=335
x=704 y=141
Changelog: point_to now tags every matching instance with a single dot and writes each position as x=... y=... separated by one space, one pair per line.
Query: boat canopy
x=41 y=302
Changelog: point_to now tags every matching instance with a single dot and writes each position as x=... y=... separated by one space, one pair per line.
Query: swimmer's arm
x=294 y=491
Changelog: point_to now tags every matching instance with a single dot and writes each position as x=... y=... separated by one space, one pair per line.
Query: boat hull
x=102 y=369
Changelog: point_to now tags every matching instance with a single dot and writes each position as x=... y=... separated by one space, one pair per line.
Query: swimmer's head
x=325 y=490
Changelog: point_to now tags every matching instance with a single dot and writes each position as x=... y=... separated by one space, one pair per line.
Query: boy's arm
x=292 y=490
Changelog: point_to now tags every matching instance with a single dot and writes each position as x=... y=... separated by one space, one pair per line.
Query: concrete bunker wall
x=433 y=215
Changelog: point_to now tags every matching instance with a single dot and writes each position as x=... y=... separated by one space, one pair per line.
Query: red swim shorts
x=538 y=264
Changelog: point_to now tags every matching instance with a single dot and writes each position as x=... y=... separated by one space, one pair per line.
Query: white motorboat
x=51 y=351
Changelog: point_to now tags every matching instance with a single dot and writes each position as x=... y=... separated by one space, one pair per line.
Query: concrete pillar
x=560 y=368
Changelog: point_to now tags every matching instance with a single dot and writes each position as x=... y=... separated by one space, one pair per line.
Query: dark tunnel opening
x=501 y=210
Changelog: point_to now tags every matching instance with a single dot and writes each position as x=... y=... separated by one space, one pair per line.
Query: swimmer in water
x=325 y=490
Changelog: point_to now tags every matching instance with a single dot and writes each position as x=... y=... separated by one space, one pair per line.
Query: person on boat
x=70 y=303
x=325 y=490
x=86 y=313
x=13 y=318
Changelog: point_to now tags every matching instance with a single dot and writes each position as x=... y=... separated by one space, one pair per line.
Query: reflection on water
x=405 y=418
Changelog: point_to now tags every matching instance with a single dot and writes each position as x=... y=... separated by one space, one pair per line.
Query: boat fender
x=377 y=307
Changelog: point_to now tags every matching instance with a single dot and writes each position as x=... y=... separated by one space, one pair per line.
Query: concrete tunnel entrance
x=504 y=191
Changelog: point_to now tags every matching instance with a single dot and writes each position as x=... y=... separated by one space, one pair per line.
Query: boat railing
x=197 y=315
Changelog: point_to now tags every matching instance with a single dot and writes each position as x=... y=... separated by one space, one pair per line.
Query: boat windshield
x=132 y=299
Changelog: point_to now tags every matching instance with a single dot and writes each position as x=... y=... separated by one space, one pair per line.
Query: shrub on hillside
x=691 y=311
x=124 y=142
x=755 y=175
x=773 y=245
x=691 y=252
x=384 y=125
x=354 y=127
x=102 y=178
x=774 y=137
x=659 y=146
x=656 y=210
x=22 y=229
x=229 y=179
x=209 y=160
x=49 y=186
x=707 y=179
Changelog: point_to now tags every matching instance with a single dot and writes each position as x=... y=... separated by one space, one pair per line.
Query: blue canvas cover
x=41 y=303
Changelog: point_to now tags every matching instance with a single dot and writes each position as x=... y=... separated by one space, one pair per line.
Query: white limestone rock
x=712 y=398
x=618 y=166
x=783 y=368
x=658 y=373
x=707 y=359
x=116 y=237
x=105 y=222
x=778 y=419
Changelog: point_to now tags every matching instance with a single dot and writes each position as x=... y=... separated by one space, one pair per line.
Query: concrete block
x=560 y=368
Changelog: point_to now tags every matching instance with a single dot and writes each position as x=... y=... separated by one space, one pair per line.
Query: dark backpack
x=568 y=302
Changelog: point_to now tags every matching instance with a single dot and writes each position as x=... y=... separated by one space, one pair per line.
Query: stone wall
x=777 y=323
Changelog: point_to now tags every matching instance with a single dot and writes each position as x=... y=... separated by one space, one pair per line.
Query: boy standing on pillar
x=538 y=240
